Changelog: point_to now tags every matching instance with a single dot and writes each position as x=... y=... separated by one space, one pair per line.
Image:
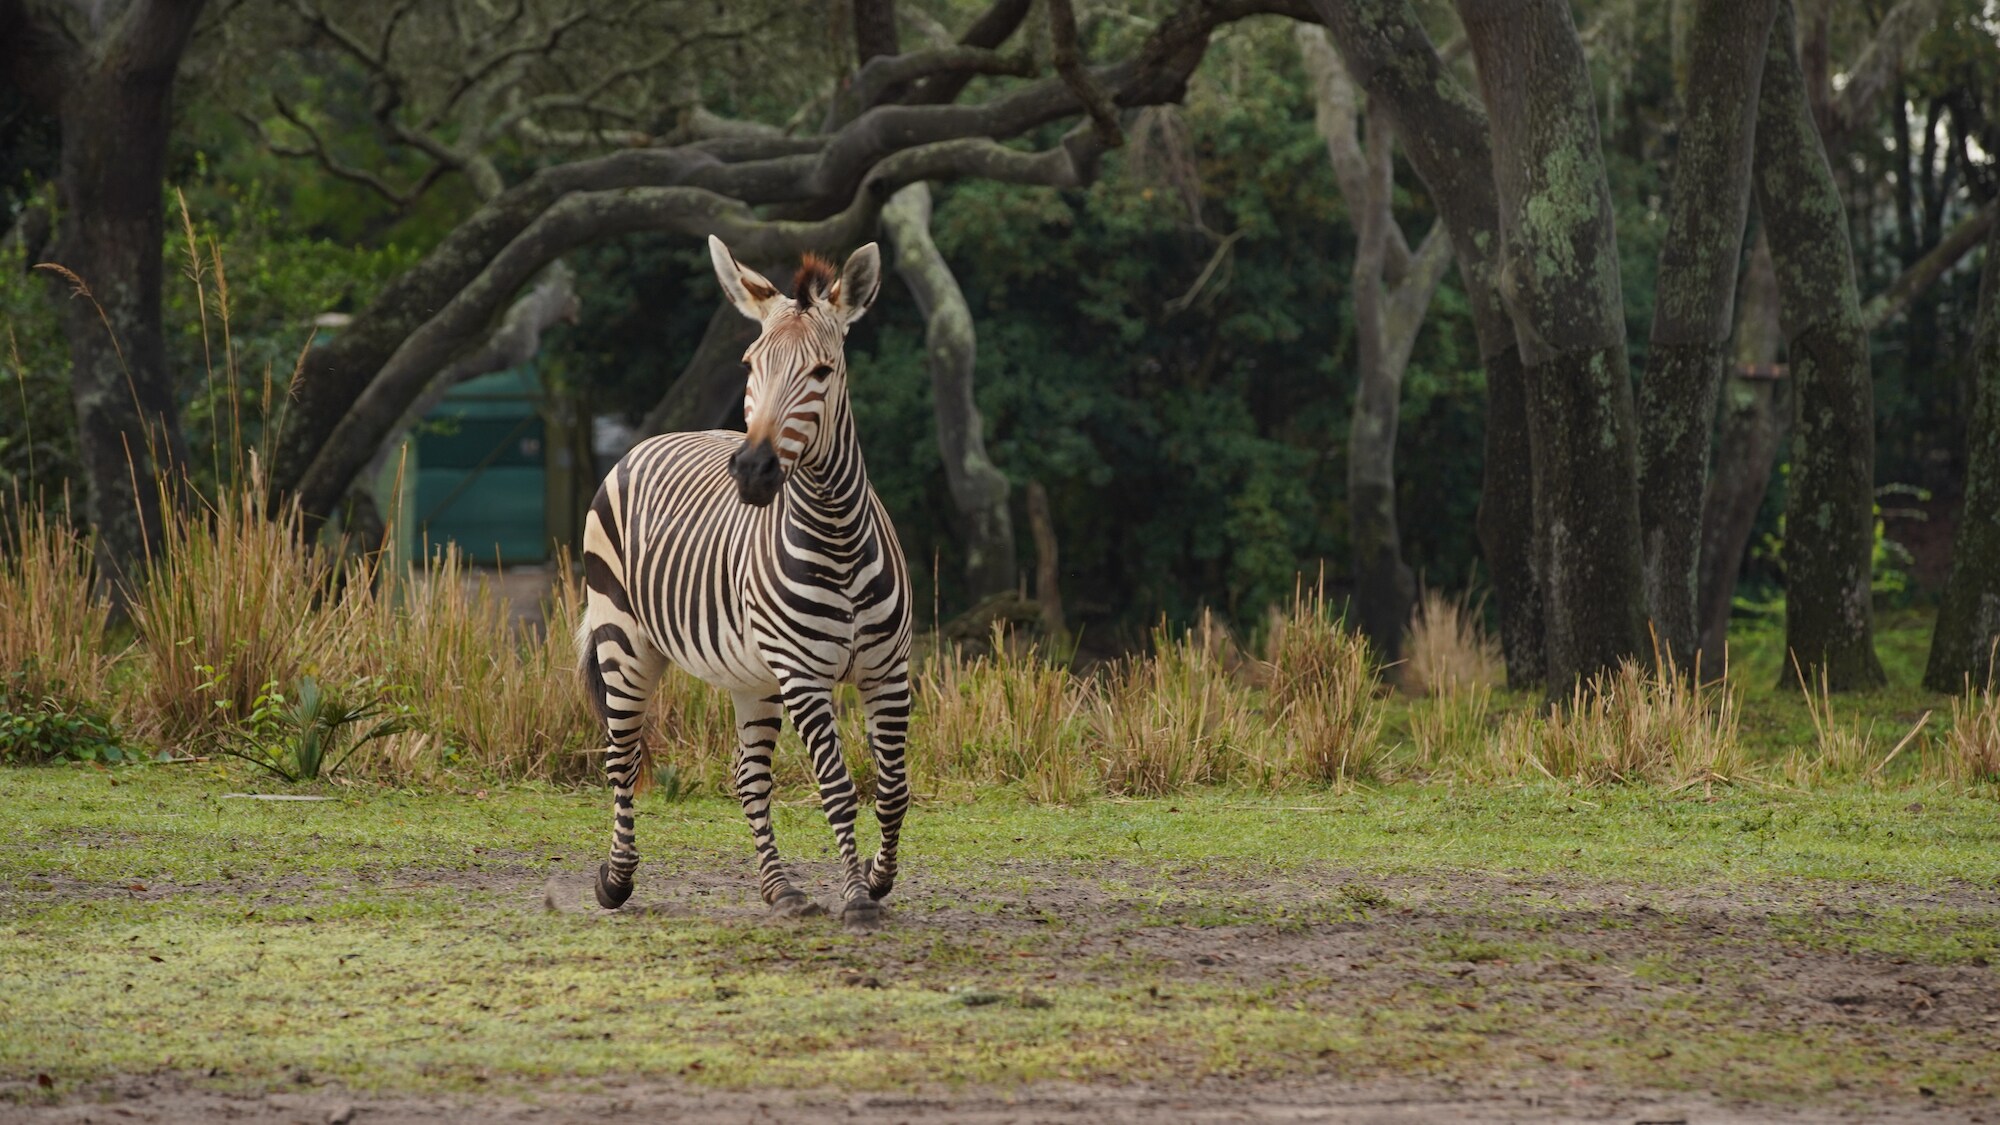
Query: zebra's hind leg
x=811 y=707
x=620 y=671
x=887 y=702
x=758 y=718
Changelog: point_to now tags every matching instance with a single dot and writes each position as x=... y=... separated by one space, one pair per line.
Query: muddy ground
x=1604 y=949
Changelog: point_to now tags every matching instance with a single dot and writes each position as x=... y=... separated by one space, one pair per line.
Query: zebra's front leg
x=620 y=673
x=811 y=707
x=887 y=702
x=758 y=719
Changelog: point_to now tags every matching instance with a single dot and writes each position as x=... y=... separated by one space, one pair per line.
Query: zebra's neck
x=830 y=479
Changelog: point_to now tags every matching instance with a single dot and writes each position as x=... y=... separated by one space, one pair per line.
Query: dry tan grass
x=1322 y=685
x=1448 y=650
x=496 y=695
x=692 y=734
x=1969 y=752
x=1008 y=718
x=1452 y=729
x=236 y=599
x=51 y=618
x=1840 y=752
x=1628 y=725
x=1178 y=719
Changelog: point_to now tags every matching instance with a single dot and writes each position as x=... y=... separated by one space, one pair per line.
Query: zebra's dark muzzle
x=758 y=473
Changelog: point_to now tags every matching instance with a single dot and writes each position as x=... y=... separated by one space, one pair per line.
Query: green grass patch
x=353 y=940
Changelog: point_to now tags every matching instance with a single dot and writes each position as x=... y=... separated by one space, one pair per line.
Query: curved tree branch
x=1924 y=272
x=702 y=187
x=978 y=488
x=581 y=217
x=1069 y=64
x=885 y=73
x=994 y=27
x=1874 y=72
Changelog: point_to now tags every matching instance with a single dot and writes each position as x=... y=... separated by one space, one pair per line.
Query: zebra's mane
x=815 y=277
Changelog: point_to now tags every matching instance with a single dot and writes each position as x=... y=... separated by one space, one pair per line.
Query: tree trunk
x=1692 y=300
x=1392 y=292
x=1968 y=622
x=1829 y=517
x=708 y=395
x=1384 y=588
x=1048 y=568
x=1561 y=286
x=1444 y=134
x=978 y=488
x=115 y=108
x=1756 y=415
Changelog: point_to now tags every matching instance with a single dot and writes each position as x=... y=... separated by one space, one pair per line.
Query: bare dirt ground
x=1451 y=934
x=168 y=1100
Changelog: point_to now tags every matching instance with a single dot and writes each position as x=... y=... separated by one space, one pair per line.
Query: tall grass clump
x=1839 y=751
x=692 y=733
x=1969 y=753
x=52 y=621
x=236 y=600
x=1011 y=718
x=1629 y=724
x=1452 y=729
x=1178 y=719
x=56 y=698
x=1327 y=723
x=1448 y=650
x=498 y=695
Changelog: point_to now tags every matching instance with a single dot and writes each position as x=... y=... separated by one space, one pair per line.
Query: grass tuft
x=1323 y=680
x=1447 y=650
x=1008 y=718
x=52 y=618
x=237 y=603
x=1177 y=719
x=1969 y=753
x=1630 y=724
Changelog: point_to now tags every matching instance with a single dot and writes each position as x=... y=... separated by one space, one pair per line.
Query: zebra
x=764 y=564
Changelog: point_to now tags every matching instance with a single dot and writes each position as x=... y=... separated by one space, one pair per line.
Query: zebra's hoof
x=878 y=885
x=861 y=916
x=795 y=904
x=610 y=895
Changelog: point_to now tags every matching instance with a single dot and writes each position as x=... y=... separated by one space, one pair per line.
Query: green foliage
x=1167 y=353
x=310 y=735
x=37 y=728
x=37 y=428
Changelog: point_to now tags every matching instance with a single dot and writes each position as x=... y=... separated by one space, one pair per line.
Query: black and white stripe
x=764 y=564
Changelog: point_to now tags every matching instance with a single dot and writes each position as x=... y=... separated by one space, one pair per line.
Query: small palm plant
x=311 y=736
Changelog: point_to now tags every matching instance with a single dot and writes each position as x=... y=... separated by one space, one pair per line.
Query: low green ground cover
x=397 y=940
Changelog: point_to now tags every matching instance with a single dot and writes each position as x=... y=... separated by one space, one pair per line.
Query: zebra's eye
x=819 y=373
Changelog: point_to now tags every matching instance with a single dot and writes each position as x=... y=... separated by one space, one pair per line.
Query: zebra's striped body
x=775 y=603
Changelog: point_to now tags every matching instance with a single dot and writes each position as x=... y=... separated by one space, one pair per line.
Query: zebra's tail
x=594 y=694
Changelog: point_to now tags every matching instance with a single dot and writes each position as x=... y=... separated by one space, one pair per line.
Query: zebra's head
x=798 y=364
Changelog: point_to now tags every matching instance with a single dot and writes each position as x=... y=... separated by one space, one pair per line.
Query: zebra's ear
x=860 y=280
x=748 y=290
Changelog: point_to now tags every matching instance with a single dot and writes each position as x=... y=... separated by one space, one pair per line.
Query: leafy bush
x=35 y=729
